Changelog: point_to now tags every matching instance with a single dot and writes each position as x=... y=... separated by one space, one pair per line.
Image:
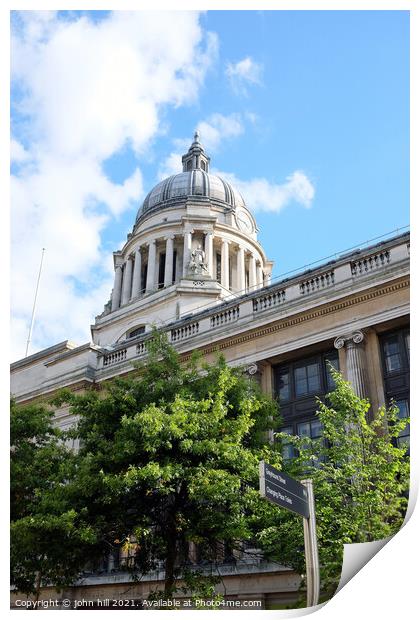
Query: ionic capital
x=355 y=337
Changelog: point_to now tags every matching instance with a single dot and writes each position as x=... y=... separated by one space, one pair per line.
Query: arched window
x=137 y=331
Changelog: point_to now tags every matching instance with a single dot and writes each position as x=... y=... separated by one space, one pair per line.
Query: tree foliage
x=170 y=457
x=360 y=475
x=48 y=536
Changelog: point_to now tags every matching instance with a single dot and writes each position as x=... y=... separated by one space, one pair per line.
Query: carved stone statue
x=197 y=264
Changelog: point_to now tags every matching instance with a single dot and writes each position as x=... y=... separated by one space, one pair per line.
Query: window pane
x=334 y=363
x=284 y=385
x=304 y=429
x=392 y=354
x=404 y=437
x=316 y=429
x=393 y=363
x=312 y=370
x=301 y=387
x=287 y=448
x=314 y=384
x=403 y=407
x=300 y=373
x=407 y=345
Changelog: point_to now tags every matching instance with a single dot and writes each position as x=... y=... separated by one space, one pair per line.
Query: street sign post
x=297 y=497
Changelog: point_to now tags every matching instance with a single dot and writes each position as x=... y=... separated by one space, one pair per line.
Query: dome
x=195 y=181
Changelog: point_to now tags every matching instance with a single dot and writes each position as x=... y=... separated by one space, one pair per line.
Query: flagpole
x=34 y=306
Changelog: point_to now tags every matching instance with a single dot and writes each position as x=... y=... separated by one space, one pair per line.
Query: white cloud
x=18 y=153
x=88 y=90
x=244 y=73
x=261 y=195
x=218 y=128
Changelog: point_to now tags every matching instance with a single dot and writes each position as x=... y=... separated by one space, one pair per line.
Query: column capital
x=169 y=237
x=351 y=339
x=153 y=241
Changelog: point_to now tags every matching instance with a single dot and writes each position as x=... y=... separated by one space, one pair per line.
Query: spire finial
x=196 y=158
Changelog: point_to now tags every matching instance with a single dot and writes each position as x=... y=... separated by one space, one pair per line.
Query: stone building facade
x=193 y=267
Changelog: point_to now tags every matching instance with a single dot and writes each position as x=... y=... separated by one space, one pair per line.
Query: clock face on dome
x=244 y=221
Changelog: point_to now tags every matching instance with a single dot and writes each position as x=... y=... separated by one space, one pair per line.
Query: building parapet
x=353 y=271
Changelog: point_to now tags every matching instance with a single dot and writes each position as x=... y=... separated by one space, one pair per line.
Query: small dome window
x=137 y=331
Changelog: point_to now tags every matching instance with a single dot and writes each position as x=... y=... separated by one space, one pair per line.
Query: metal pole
x=33 y=309
x=311 y=549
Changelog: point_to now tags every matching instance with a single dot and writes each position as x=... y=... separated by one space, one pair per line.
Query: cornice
x=325 y=309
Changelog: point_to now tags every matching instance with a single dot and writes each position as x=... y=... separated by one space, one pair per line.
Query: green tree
x=48 y=536
x=360 y=476
x=170 y=457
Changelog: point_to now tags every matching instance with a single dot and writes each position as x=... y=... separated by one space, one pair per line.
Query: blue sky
x=308 y=111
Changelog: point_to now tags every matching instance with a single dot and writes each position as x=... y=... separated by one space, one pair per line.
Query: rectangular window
x=313 y=430
x=333 y=360
x=407 y=345
x=392 y=354
x=297 y=383
x=307 y=379
x=288 y=450
x=396 y=374
x=283 y=388
x=404 y=437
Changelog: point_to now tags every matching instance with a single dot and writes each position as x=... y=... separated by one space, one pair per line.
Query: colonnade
x=128 y=274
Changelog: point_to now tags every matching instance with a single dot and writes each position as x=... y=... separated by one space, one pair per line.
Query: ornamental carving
x=197 y=264
x=355 y=337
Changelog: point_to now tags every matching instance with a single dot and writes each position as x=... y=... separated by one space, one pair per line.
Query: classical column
x=169 y=260
x=126 y=289
x=187 y=252
x=151 y=267
x=240 y=269
x=267 y=278
x=355 y=360
x=225 y=263
x=260 y=280
x=252 y=273
x=116 y=291
x=135 y=291
x=208 y=249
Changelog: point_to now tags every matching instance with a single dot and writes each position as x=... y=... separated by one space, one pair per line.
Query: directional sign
x=283 y=490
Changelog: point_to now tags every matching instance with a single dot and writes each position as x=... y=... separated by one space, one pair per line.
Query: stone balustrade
x=285 y=293
x=317 y=283
x=141 y=348
x=180 y=333
x=269 y=300
x=226 y=316
x=370 y=263
x=115 y=357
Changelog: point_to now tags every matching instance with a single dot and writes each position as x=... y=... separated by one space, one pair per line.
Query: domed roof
x=195 y=181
